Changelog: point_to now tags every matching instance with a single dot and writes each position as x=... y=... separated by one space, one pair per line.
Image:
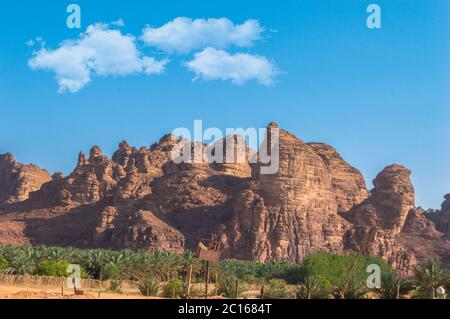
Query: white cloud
x=212 y=64
x=100 y=50
x=118 y=23
x=183 y=35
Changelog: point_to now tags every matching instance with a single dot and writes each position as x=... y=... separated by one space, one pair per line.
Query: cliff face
x=389 y=203
x=347 y=182
x=389 y=225
x=442 y=217
x=290 y=214
x=140 y=198
x=17 y=180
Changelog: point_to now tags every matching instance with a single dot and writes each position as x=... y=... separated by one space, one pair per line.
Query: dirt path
x=21 y=292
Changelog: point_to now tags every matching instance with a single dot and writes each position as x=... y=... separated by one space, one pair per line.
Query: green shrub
x=110 y=272
x=148 y=287
x=115 y=286
x=3 y=263
x=393 y=286
x=334 y=268
x=276 y=290
x=174 y=288
x=20 y=264
x=52 y=268
x=290 y=273
x=355 y=289
x=263 y=272
x=428 y=276
x=252 y=280
x=227 y=284
x=312 y=288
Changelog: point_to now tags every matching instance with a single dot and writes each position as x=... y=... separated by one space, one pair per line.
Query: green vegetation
x=321 y=275
x=277 y=289
x=393 y=286
x=332 y=269
x=227 y=282
x=428 y=277
x=354 y=289
x=115 y=285
x=148 y=287
x=291 y=273
x=111 y=271
x=174 y=288
x=3 y=264
x=53 y=268
x=312 y=288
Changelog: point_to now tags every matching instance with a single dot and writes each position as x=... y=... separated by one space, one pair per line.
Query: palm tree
x=20 y=264
x=189 y=262
x=393 y=286
x=311 y=288
x=8 y=252
x=352 y=289
x=95 y=260
x=39 y=253
x=148 y=287
x=428 y=276
x=57 y=253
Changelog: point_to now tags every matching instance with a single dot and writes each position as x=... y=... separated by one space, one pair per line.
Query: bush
x=52 y=268
x=252 y=280
x=355 y=290
x=393 y=286
x=114 y=286
x=148 y=287
x=277 y=289
x=291 y=273
x=334 y=268
x=174 y=288
x=110 y=272
x=312 y=288
x=227 y=285
x=428 y=276
x=3 y=263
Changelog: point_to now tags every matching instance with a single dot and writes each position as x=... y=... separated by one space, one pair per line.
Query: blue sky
x=379 y=96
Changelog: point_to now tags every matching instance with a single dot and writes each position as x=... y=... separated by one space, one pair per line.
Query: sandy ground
x=20 y=292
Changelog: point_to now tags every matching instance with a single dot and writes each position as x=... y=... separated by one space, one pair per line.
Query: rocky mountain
x=17 y=180
x=442 y=217
x=141 y=199
x=388 y=224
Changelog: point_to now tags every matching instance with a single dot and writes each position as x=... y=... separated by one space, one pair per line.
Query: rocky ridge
x=141 y=199
x=17 y=180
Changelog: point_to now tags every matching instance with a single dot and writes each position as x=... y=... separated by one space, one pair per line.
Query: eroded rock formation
x=347 y=182
x=142 y=199
x=290 y=214
x=389 y=225
x=442 y=217
x=389 y=203
x=17 y=180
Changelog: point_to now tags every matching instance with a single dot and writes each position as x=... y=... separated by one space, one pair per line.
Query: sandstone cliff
x=389 y=225
x=17 y=180
x=347 y=182
x=141 y=199
x=290 y=214
x=389 y=203
x=442 y=217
